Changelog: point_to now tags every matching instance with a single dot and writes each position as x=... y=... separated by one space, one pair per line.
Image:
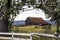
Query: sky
x=30 y=12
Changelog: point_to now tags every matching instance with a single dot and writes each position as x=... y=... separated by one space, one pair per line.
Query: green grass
x=28 y=29
x=42 y=38
x=34 y=29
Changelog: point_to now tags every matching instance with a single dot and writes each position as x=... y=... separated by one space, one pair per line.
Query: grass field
x=33 y=29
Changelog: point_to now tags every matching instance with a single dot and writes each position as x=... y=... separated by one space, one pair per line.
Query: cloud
x=30 y=12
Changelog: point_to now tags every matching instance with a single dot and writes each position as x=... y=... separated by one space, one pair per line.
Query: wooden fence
x=24 y=34
x=15 y=34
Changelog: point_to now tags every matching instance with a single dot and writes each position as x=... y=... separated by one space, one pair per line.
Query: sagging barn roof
x=35 y=21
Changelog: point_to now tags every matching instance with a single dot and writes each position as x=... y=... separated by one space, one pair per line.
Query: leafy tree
x=52 y=8
x=8 y=11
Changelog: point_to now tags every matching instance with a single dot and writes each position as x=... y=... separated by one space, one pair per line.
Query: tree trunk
x=57 y=30
x=57 y=26
x=4 y=16
x=4 y=26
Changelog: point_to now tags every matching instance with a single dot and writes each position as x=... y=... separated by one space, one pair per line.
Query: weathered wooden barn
x=35 y=21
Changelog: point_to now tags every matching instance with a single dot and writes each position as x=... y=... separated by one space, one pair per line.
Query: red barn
x=35 y=21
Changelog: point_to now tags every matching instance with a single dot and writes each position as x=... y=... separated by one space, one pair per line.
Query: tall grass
x=33 y=29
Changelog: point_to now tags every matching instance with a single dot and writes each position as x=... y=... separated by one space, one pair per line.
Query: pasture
x=34 y=29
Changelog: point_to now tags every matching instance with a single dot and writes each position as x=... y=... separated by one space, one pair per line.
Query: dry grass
x=27 y=29
x=33 y=29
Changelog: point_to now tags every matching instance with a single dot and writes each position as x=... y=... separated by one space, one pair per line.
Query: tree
x=8 y=11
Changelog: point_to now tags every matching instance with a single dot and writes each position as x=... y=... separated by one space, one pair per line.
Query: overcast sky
x=30 y=12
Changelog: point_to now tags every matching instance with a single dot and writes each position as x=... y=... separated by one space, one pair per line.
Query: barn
x=35 y=21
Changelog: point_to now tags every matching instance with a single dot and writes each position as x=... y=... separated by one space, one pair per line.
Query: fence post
x=57 y=36
x=31 y=37
x=12 y=35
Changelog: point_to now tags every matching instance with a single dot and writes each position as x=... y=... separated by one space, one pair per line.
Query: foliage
x=52 y=8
